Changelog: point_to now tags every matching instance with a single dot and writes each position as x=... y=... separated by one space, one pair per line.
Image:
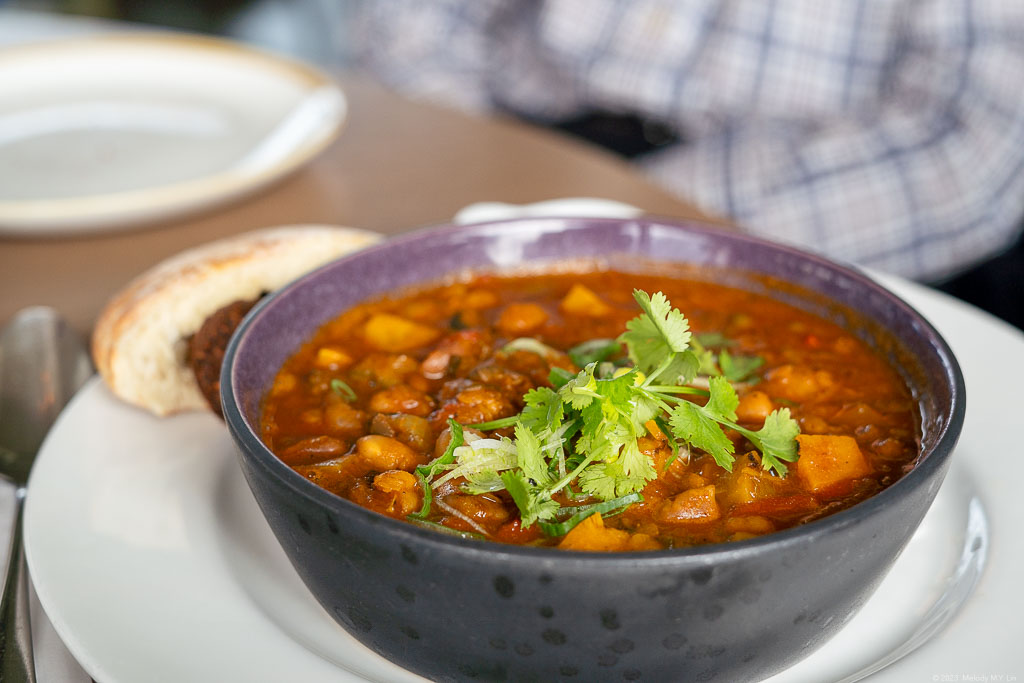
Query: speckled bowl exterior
x=453 y=609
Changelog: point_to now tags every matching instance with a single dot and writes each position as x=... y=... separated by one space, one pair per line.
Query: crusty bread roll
x=140 y=340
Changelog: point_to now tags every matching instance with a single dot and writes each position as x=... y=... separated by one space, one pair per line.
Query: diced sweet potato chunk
x=591 y=534
x=332 y=358
x=582 y=301
x=643 y=542
x=754 y=407
x=797 y=383
x=519 y=318
x=693 y=506
x=387 y=332
x=826 y=460
x=751 y=485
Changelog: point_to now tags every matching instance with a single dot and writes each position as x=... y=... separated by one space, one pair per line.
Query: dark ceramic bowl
x=453 y=609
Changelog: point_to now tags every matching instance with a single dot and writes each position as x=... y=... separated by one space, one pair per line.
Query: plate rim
x=904 y=290
x=109 y=211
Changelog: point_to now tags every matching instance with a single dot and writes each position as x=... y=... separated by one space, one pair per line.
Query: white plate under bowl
x=113 y=131
x=154 y=563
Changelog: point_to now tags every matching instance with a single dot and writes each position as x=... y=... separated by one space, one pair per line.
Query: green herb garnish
x=578 y=438
x=427 y=472
x=606 y=508
x=344 y=390
x=593 y=351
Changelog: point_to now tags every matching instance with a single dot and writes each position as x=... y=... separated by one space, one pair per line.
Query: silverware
x=42 y=364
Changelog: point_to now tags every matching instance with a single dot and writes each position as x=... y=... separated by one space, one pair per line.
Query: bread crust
x=139 y=342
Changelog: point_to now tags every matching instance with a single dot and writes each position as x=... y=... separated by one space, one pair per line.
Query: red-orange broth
x=416 y=359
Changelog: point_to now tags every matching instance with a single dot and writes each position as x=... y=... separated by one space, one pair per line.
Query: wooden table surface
x=397 y=165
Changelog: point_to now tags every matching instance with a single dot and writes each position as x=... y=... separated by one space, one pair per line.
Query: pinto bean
x=482 y=404
x=342 y=419
x=313 y=449
x=384 y=453
x=411 y=430
x=402 y=399
x=382 y=370
x=484 y=509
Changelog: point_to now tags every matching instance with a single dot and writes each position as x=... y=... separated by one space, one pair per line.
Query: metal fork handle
x=17 y=664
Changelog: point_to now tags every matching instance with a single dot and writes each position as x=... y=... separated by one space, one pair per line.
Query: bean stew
x=595 y=411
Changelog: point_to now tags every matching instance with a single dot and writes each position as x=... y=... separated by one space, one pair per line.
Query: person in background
x=889 y=133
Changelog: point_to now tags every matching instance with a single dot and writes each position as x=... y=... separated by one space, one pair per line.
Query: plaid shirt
x=885 y=132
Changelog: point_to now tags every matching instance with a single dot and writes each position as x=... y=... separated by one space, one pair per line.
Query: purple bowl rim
x=701 y=555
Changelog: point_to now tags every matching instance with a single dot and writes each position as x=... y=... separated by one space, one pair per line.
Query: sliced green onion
x=500 y=423
x=341 y=389
x=434 y=526
x=666 y=430
x=583 y=511
x=529 y=344
x=593 y=351
x=428 y=495
x=559 y=377
x=429 y=471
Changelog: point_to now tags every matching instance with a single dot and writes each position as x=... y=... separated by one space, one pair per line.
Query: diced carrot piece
x=592 y=534
x=388 y=332
x=519 y=318
x=826 y=460
x=655 y=431
x=582 y=301
x=693 y=506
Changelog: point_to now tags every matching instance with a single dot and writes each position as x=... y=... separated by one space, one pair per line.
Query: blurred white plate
x=154 y=563
x=109 y=132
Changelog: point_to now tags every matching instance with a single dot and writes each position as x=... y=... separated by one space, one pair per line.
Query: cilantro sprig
x=579 y=437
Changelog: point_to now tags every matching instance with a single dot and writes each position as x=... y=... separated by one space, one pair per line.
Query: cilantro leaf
x=738 y=368
x=543 y=412
x=579 y=392
x=681 y=369
x=529 y=457
x=598 y=481
x=636 y=469
x=776 y=440
x=533 y=503
x=693 y=424
x=653 y=337
x=723 y=401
